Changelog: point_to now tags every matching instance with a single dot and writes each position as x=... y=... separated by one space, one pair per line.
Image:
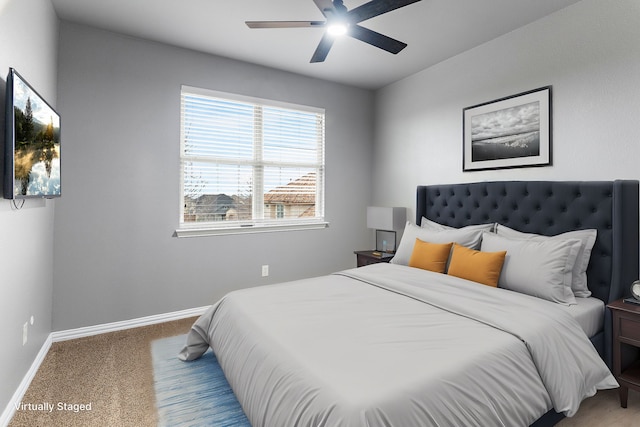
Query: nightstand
x=626 y=331
x=367 y=257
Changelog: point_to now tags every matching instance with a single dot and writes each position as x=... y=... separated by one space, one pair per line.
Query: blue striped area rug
x=192 y=393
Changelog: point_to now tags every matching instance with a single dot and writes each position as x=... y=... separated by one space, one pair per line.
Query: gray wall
x=590 y=54
x=28 y=43
x=115 y=257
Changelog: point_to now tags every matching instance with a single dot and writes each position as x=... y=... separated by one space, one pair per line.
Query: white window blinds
x=248 y=162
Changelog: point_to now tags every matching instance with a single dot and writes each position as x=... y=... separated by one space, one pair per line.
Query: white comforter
x=388 y=345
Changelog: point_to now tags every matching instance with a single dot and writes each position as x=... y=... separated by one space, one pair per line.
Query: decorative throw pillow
x=481 y=267
x=579 y=273
x=430 y=256
x=469 y=238
x=541 y=268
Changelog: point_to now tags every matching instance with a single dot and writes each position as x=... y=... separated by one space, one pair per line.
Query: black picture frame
x=385 y=241
x=509 y=132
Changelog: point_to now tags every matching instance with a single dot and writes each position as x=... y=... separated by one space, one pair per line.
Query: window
x=279 y=211
x=249 y=164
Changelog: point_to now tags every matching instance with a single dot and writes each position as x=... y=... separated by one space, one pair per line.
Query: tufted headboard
x=549 y=208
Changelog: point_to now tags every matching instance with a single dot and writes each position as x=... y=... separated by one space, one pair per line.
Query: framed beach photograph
x=509 y=132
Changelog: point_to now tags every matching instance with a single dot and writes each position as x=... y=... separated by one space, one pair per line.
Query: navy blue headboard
x=549 y=208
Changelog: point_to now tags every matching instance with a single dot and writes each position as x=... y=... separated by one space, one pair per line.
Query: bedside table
x=367 y=257
x=626 y=331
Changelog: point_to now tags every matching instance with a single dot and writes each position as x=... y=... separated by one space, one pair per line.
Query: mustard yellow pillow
x=430 y=256
x=481 y=267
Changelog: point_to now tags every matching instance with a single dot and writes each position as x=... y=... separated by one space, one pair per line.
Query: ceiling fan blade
x=284 y=24
x=323 y=48
x=376 y=39
x=375 y=8
x=325 y=6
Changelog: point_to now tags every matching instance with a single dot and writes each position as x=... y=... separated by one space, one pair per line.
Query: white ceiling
x=433 y=29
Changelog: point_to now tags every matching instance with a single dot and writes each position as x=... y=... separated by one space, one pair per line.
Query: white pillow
x=541 y=268
x=432 y=225
x=469 y=238
x=579 y=274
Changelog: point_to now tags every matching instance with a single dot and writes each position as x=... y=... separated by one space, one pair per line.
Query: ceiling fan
x=343 y=21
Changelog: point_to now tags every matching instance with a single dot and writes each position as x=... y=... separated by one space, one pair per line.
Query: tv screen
x=32 y=143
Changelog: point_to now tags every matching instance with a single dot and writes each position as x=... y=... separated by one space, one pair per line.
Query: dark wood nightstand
x=367 y=257
x=626 y=331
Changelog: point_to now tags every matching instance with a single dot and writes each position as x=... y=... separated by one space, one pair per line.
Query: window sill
x=194 y=231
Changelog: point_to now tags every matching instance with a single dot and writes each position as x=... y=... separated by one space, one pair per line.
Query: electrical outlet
x=265 y=270
x=25 y=332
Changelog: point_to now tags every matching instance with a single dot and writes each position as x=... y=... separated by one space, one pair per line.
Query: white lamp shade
x=386 y=218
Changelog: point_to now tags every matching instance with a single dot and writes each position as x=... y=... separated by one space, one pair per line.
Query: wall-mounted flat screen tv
x=32 y=143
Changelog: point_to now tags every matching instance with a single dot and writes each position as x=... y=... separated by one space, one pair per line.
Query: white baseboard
x=88 y=331
x=10 y=410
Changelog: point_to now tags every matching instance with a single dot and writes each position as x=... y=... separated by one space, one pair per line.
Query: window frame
x=196 y=229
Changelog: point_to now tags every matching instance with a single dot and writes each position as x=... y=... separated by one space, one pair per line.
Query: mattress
x=589 y=313
x=388 y=345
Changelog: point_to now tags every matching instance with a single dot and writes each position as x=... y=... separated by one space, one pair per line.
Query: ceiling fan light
x=337 y=29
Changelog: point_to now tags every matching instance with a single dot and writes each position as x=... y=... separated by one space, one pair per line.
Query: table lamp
x=386 y=221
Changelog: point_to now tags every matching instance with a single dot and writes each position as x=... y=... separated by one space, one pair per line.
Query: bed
x=395 y=345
